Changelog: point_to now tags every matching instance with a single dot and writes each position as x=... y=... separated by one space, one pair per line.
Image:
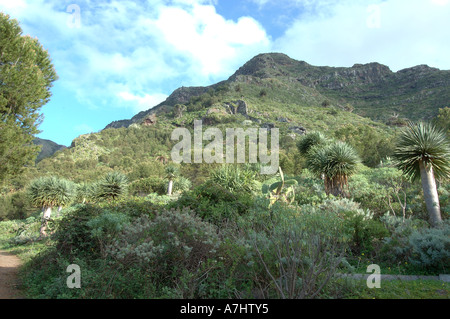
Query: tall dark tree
x=26 y=76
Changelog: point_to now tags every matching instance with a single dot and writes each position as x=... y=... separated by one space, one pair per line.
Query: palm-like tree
x=335 y=162
x=112 y=186
x=49 y=192
x=308 y=141
x=171 y=173
x=85 y=192
x=423 y=150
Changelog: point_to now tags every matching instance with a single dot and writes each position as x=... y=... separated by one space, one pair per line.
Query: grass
x=399 y=289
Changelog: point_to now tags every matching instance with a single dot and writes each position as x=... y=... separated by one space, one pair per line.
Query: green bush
x=214 y=203
x=145 y=186
x=396 y=247
x=297 y=255
x=74 y=236
x=173 y=244
x=430 y=247
x=106 y=226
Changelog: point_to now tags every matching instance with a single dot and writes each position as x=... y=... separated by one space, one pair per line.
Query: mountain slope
x=372 y=90
x=48 y=148
x=269 y=91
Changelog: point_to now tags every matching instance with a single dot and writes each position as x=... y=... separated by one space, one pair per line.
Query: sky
x=117 y=58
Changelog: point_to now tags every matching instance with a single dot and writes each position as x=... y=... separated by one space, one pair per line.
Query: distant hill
x=48 y=148
x=371 y=90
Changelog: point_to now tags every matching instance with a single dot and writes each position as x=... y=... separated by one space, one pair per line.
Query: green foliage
x=430 y=247
x=112 y=186
x=307 y=141
x=234 y=179
x=423 y=143
x=173 y=243
x=396 y=248
x=147 y=186
x=336 y=162
x=443 y=119
x=15 y=206
x=51 y=192
x=85 y=192
x=299 y=255
x=26 y=76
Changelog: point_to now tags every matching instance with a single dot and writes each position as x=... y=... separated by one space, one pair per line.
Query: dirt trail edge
x=9 y=267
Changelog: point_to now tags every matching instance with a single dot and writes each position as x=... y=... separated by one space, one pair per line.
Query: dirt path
x=9 y=266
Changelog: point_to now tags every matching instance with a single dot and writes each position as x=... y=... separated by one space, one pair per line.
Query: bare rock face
x=150 y=120
x=237 y=107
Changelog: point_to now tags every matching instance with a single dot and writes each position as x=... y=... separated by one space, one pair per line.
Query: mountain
x=371 y=90
x=48 y=148
x=364 y=105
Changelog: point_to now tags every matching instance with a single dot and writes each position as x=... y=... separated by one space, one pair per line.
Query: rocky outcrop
x=150 y=120
x=237 y=107
x=299 y=130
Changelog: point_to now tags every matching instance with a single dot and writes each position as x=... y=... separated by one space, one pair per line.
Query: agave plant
x=423 y=150
x=112 y=186
x=335 y=162
x=283 y=190
x=49 y=192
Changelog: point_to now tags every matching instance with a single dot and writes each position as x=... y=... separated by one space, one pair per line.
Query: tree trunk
x=430 y=194
x=169 y=189
x=47 y=211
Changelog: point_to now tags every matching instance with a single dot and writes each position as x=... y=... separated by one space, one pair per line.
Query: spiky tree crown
x=51 y=191
x=335 y=159
x=112 y=186
x=308 y=141
x=423 y=143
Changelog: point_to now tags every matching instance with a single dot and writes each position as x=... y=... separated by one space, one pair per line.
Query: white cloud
x=146 y=49
x=408 y=34
x=142 y=103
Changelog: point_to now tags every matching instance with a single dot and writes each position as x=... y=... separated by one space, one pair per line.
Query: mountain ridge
x=413 y=93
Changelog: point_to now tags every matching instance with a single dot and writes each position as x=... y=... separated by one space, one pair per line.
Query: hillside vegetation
x=141 y=226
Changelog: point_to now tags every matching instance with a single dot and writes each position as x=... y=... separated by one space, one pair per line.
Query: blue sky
x=116 y=58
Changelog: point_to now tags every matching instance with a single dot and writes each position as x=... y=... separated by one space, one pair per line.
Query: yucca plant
x=49 y=192
x=112 y=186
x=234 y=179
x=85 y=192
x=423 y=150
x=308 y=141
x=171 y=173
x=334 y=162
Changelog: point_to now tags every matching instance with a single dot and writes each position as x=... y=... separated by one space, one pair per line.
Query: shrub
x=214 y=203
x=430 y=247
x=299 y=254
x=105 y=226
x=145 y=186
x=74 y=236
x=396 y=247
x=174 y=241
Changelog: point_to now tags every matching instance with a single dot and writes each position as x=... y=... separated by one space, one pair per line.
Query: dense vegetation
x=141 y=226
x=26 y=77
